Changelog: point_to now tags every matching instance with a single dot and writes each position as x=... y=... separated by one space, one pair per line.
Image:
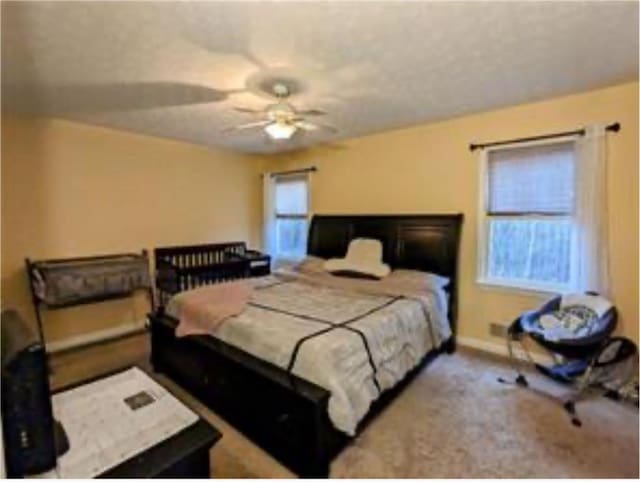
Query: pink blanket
x=204 y=309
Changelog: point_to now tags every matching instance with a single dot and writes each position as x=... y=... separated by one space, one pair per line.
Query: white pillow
x=364 y=257
x=418 y=278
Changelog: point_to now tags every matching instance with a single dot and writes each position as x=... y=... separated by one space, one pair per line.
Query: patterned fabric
x=576 y=321
x=577 y=317
x=384 y=337
x=598 y=304
x=61 y=283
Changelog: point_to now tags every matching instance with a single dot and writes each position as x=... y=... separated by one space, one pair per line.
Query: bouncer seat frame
x=575 y=358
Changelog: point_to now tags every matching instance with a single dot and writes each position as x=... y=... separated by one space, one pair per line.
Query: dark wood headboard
x=425 y=242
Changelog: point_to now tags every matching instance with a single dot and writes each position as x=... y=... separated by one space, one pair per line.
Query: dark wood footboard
x=284 y=414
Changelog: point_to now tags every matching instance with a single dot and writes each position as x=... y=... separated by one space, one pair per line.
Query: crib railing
x=181 y=268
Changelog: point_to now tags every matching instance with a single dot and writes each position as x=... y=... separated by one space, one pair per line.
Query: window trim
x=483 y=228
x=292 y=216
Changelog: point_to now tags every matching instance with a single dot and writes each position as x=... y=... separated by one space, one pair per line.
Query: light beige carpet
x=456 y=420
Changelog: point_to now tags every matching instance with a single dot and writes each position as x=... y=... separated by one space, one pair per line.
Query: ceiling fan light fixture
x=280 y=130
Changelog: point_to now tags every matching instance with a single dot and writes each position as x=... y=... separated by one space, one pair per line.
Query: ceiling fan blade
x=311 y=112
x=312 y=126
x=331 y=129
x=304 y=125
x=247 y=110
x=250 y=125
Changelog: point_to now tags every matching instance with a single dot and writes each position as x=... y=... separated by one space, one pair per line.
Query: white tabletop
x=103 y=428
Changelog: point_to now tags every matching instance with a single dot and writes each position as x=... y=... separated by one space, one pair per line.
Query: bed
x=265 y=390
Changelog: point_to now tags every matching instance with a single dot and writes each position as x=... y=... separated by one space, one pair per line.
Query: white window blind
x=531 y=180
x=291 y=215
x=527 y=218
x=291 y=196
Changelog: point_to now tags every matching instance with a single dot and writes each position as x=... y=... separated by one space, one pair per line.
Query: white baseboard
x=96 y=336
x=498 y=348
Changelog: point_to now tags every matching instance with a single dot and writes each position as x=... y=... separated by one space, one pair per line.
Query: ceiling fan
x=282 y=120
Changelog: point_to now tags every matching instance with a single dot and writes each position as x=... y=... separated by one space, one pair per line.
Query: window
x=526 y=222
x=291 y=215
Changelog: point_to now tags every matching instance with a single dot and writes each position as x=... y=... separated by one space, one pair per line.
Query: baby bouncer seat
x=576 y=329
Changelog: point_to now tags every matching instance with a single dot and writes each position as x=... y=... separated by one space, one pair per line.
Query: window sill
x=521 y=288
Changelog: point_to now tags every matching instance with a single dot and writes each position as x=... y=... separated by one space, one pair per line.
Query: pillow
x=364 y=256
x=578 y=317
x=418 y=279
x=310 y=265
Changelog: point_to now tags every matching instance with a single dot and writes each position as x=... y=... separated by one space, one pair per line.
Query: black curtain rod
x=615 y=127
x=295 y=171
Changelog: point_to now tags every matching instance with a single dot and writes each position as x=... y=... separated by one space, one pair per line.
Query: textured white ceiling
x=175 y=69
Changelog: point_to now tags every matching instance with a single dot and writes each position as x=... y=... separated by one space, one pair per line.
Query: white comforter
x=398 y=328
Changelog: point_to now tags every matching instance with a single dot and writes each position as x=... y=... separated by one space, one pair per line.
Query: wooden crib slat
x=199 y=265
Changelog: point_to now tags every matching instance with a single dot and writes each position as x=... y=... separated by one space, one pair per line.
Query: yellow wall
x=429 y=169
x=71 y=190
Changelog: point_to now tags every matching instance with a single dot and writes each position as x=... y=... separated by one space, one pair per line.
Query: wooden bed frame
x=285 y=414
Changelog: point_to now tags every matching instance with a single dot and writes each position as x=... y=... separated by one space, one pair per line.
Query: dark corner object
x=284 y=414
x=615 y=127
x=33 y=438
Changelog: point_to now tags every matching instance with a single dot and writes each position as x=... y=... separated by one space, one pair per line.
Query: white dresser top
x=104 y=429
